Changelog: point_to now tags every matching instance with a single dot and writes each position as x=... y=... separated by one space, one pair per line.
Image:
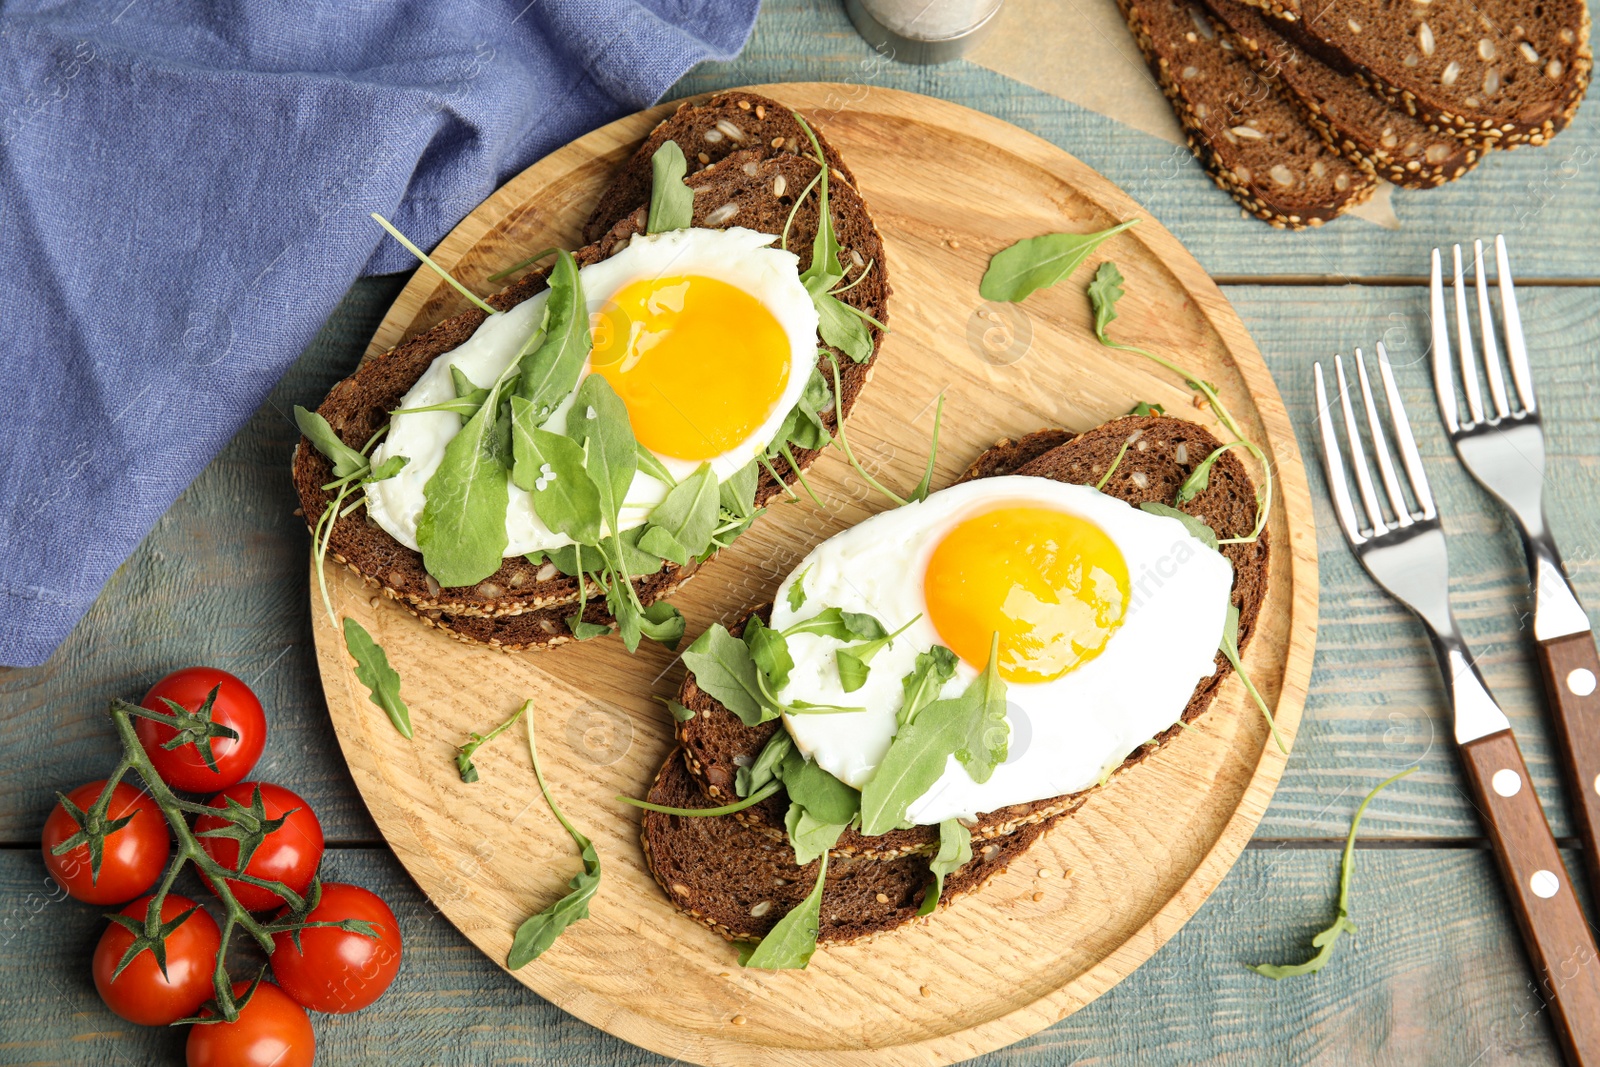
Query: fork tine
x=1491 y=351
x=1469 y=371
x=1516 y=350
x=1333 y=463
x=1403 y=435
x=1444 y=385
x=1358 y=455
x=1380 y=447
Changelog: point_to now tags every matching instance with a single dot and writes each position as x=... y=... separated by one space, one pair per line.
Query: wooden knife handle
x=1571 y=667
x=1554 y=930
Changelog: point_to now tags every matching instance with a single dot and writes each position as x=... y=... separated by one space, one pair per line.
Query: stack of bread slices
x=1298 y=107
x=737 y=873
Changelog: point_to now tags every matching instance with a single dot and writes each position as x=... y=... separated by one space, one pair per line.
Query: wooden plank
x=1547 y=200
x=1433 y=975
x=221 y=581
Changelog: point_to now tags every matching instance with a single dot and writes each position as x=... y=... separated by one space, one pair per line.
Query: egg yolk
x=1053 y=585
x=699 y=363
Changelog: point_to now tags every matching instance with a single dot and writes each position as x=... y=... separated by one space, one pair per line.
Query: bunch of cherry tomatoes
x=327 y=967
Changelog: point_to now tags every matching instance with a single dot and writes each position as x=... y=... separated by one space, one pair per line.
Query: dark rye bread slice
x=739 y=881
x=744 y=189
x=707 y=132
x=1362 y=125
x=716 y=743
x=1242 y=124
x=1514 y=71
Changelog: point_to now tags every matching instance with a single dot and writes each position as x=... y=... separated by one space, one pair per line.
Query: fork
x=1404 y=551
x=1504 y=451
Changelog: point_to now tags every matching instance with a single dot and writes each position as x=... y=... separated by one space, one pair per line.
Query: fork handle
x=1571 y=668
x=1543 y=901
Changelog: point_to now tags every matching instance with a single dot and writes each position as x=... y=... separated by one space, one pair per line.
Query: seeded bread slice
x=1362 y=125
x=715 y=743
x=707 y=133
x=743 y=189
x=1242 y=124
x=1514 y=72
x=739 y=881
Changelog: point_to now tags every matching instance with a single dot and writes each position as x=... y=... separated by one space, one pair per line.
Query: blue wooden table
x=1433 y=976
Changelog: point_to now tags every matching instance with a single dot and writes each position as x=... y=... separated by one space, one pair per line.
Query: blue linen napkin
x=184 y=192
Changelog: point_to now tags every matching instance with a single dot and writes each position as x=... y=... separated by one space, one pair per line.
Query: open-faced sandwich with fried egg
x=934 y=688
x=554 y=465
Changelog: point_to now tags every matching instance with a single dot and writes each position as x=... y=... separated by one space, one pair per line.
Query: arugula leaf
x=1197 y=527
x=803 y=427
x=386 y=470
x=1104 y=291
x=550 y=466
x=346 y=460
x=765 y=769
x=548 y=370
x=652 y=465
x=852 y=660
x=1039 y=262
x=840 y=625
x=599 y=422
x=1117 y=460
x=932 y=670
x=1325 y=940
x=824 y=271
x=723 y=667
x=703 y=813
x=467 y=392
x=682 y=714
x=462 y=530
x=827 y=798
x=955 y=850
x=791 y=943
x=671 y=201
x=1200 y=477
x=921 y=491
x=374 y=672
x=1143 y=408
x=797 y=590
x=477 y=301
x=809 y=836
x=966 y=727
x=475 y=741
x=841 y=327
x=737 y=495
x=770 y=653
x=663 y=623
x=680 y=526
x=539 y=932
x=1230 y=649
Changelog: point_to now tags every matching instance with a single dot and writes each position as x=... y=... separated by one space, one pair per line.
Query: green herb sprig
x=1037 y=263
x=465 y=751
x=1327 y=939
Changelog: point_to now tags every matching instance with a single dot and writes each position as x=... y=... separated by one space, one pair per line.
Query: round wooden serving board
x=947 y=187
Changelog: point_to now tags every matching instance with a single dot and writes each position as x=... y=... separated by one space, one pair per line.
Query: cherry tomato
x=339 y=970
x=235 y=707
x=271 y=1031
x=141 y=994
x=131 y=858
x=289 y=854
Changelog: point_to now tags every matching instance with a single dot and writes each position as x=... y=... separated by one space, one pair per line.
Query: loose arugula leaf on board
x=827 y=798
x=853 y=660
x=928 y=676
x=1143 y=408
x=770 y=653
x=765 y=769
x=663 y=623
x=464 y=752
x=1105 y=289
x=553 y=358
x=539 y=932
x=1230 y=649
x=1197 y=528
x=840 y=625
x=1325 y=940
x=791 y=943
x=680 y=526
x=1040 y=262
x=373 y=671
x=462 y=530
x=921 y=491
x=809 y=836
x=1200 y=477
x=680 y=713
x=797 y=590
x=955 y=850
x=671 y=201
x=346 y=460
x=723 y=667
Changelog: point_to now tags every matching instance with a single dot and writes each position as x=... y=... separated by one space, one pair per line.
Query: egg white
x=740 y=257
x=1066 y=733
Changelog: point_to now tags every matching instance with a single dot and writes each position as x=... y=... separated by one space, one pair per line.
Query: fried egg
x=708 y=336
x=1107 y=618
